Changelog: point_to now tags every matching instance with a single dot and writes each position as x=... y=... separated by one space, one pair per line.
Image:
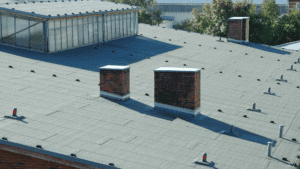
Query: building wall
x=235 y=29
x=178 y=16
x=12 y=157
x=292 y=4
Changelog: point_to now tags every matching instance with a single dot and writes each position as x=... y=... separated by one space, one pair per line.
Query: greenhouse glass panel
x=95 y=29
x=100 y=33
x=22 y=33
x=121 y=25
x=64 y=34
x=132 y=23
x=36 y=35
x=117 y=25
x=113 y=27
x=0 y=27
x=57 y=35
x=8 y=30
x=124 y=24
x=108 y=27
x=75 y=33
x=128 y=24
x=137 y=23
x=91 y=30
x=51 y=40
x=69 y=33
x=80 y=32
x=85 y=30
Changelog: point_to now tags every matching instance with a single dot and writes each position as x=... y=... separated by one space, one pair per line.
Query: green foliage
x=265 y=27
x=144 y=16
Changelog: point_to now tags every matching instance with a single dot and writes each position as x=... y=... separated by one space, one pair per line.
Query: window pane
x=108 y=27
x=57 y=35
x=22 y=32
x=75 y=33
x=85 y=31
x=95 y=29
x=69 y=33
x=128 y=24
x=121 y=26
x=51 y=41
x=64 y=34
x=80 y=32
x=117 y=26
x=36 y=35
x=91 y=30
x=113 y=27
x=125 y=24
x=8 y=29
x=100 y=33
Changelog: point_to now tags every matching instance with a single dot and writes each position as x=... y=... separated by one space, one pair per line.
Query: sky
x=209 y=1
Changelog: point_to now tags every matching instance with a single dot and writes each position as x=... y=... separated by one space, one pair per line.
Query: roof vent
x=271 y=121
x=261 y=57
x=203 y=68
x=147 y=94
x=73 y=13
x=58 y=15
x=13 y=8
x=297 y=86
x=77 y=80
x=38 y=146
x=54 y=75
x=94 y=11
x=278 y=83
x=280 y=130
x=184 y=42
x=32 y=71
x=219 y=110
x=199 y=45
x=116 y=2
x=230 y=50
x=66 y=14
x=254 y=108
x=184 y=64
x=33 y=2
x=246 y=54
x=10 y=66
x=292 y=68
x=111 y=164
x=25 y=2
x=269 y=148
x=4 y=138
x=284 y=159
x=105 y=10
x=239 y=76
x=169 y=39
x=62 y=1
x=7 y=3
x=32 y=12
x=49 y=15
x=16 y=3
x=281 y=79
x=99 y=10
x=294 y=139
x=80 y=13
x=221 y=72
x=166 y=61
x=74 y=155
x=245 y=116
x=87 y=11
x=278 y=59
x=41 y=1
x=258 y=79
x=215 y=48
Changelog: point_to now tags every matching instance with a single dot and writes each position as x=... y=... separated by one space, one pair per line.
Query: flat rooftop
x=67 y=7
x=66 y=116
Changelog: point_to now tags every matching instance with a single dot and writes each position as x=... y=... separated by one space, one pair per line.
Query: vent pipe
x=280 y=131
x=269 y=148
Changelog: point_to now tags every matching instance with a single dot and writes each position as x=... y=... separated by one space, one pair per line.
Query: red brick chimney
x=177 y=91
x=114 y=82
x=238 y=29
x=292 y=4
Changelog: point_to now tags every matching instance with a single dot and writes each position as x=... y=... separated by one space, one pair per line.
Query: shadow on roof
x=16 y=118
x=91 y=59
x=271 y=49
x=201 y=120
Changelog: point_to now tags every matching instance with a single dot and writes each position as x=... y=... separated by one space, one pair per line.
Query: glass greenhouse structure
x=57 y=26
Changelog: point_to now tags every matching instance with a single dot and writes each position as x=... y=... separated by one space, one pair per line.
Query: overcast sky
x=209 y=1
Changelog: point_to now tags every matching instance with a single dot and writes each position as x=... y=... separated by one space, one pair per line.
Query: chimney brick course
x=177 y=90
x=115 y=82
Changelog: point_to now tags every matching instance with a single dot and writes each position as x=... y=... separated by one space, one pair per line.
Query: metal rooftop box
x=49 y=27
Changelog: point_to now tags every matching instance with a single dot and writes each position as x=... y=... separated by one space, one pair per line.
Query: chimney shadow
x=126 y=51
x=272 y=49
x=19 y=118
x=201 y=120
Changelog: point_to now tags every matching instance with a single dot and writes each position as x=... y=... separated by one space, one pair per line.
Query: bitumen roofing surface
x=67 y=7
x=67 y=116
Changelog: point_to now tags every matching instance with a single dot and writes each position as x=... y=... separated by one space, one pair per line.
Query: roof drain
x=281 y=79
x=253 y=108
x=292 y=68
x=269 y=92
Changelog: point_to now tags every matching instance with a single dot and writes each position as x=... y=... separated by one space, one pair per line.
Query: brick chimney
x=238 y=29
x=292 y=4
x=177 y=91
x=114 y=82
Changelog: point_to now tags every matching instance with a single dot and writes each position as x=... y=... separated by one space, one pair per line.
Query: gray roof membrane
x=67 y=116
x=67 y=7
